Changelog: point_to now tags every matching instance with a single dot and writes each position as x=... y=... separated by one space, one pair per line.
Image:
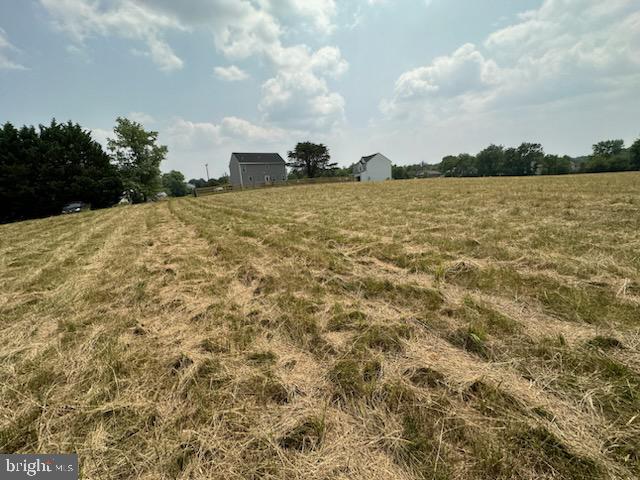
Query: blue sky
x=413 y=79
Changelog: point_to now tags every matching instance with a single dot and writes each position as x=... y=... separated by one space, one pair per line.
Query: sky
x=413 y=79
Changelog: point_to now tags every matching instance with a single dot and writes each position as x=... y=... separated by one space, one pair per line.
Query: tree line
x=42 y=169
x=530 y=159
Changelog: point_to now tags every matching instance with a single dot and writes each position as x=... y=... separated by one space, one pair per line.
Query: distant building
x=256 y=169
x=372 y=168
x=430 y=174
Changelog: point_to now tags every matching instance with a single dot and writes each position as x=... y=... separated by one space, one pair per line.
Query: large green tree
x=42 y=170
x=609 y=156
x=310 y=159
x=490 y=161
x=138 y=156
x=530 y=156
x=608 y=148
x=511 y=162
x=463 y=165
x=174 y=184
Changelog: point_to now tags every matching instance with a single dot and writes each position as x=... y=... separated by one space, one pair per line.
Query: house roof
x=367 y=158
x=272 y=158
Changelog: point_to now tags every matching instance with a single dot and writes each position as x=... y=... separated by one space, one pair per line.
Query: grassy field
x=472 y=328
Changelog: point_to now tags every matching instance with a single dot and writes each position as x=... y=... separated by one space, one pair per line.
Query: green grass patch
x=343 y=320
x=385 y=338
x=306 y=436
x=262 y=358
x=472 y=339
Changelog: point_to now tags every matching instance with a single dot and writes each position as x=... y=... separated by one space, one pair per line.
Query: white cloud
x=318 y=14
x=299 y=94
x=144 y=118
x=230 y=73
x=5 y=49
x=238 y=128
x=241 y=29
x=126 y=18
x=189 y=135
x=465 y=70
x=328 y=105
x=201 y=135
x=546 y=56
x=163 y=56
x=100 y=135
x=329 y=61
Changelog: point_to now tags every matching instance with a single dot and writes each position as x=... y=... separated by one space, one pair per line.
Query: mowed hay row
x=450 y=328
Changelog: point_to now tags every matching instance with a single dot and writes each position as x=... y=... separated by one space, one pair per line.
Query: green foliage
x=634 y=155
x=399 y=172
x=555 y=165
x=609 y=156
x=135 y=152
x=213 y=182
x=608 y=148
x=527 y=159
x=42 y=170
x=490 y=160
x=310 y=159
x=173 y=183
x=529 y=156
x=419 y=170
x=463 y=165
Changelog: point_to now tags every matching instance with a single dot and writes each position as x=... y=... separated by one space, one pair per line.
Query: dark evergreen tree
x=42 y=170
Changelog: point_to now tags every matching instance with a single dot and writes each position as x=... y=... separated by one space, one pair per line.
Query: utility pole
x=206 y=166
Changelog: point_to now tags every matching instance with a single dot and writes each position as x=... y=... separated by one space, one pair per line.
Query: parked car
x=75 y=207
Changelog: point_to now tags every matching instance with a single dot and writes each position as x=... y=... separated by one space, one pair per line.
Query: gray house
x=256 y=169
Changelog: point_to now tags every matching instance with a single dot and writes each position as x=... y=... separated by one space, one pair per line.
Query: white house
x=372 y=168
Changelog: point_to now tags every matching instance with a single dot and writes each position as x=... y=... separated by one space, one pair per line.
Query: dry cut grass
x=475 y=328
